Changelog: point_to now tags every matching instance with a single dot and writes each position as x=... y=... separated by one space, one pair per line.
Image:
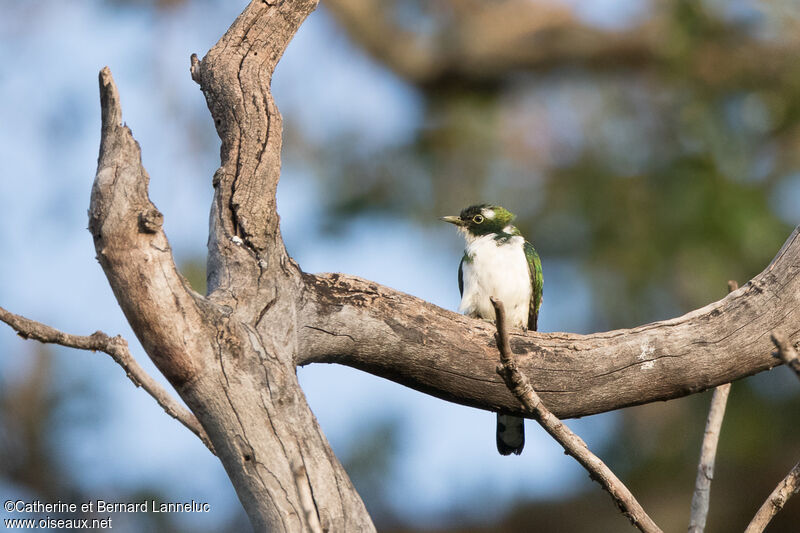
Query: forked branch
x=117 y=348
x=573 y=445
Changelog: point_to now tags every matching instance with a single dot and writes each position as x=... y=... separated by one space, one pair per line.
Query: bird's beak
x=453 y=220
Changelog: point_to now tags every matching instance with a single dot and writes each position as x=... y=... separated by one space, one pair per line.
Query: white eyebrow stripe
x=488 y=213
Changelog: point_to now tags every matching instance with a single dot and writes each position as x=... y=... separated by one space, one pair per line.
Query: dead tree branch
x=790 y=485
x=786 y=352
x=117 y=348
x=355 y=322
x=708 y=452
x=776 y=500
x=230 y=355
x=705 y=469
x=573 y=445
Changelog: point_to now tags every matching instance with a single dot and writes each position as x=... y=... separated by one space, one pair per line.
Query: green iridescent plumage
x=500 y=226
x=537 y=284
x=499 y=263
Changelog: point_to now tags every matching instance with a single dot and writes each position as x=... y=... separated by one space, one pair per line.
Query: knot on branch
x=99 y=340
x=778 y=501
x=150 y=220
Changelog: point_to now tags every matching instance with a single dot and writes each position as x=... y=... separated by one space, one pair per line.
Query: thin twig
x=786 y=352
x=785 y=489
x=573 y=445
x=117 y=348
x=708 y=452
x=791 y=483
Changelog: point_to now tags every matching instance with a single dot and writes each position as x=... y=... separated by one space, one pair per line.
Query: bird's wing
x=537 y=282
x=461 y=277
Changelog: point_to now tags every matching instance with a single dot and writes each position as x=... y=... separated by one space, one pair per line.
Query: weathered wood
x=788 y=487
x=136 y=256
x=786 y=353
x=230 y=355
x=358 y=323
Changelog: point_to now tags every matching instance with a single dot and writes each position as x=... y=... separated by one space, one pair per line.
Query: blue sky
x=49 y=134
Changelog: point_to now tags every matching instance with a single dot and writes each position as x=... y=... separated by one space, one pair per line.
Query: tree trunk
x=232 y=354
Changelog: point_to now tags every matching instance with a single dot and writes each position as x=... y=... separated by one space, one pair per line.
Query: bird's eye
x=477 y=219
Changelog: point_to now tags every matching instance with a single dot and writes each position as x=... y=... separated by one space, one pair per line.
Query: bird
x=498 y=262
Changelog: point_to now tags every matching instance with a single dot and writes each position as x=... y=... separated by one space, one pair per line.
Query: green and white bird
x=499 y=262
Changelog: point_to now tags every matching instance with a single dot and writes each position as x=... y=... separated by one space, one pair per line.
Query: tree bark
x=358 y=323
x=232 y=354
x=788 y=487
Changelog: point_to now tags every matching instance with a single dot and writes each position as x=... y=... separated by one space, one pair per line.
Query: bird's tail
x=510 y=434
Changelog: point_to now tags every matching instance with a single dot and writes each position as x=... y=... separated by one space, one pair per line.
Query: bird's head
x=483 y=219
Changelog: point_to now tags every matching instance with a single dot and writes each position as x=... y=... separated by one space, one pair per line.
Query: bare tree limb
x=572 y=444
x=786 y=352
x=708 y=452
x=117 y=348
x=135 y=255
x=256 y=403
x=351 y=321
x=790 y=485
x=705 y=468
x=235 y=76
x=776 y=500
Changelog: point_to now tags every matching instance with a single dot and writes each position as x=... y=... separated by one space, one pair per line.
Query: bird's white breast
x=494 y=268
